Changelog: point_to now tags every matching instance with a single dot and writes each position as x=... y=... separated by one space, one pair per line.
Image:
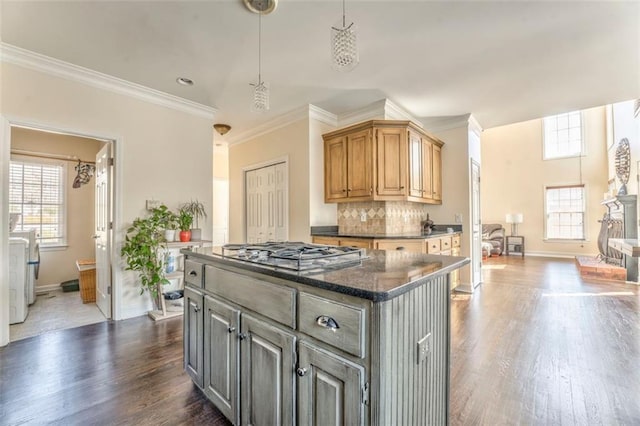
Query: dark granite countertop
x=416 y=236
x=381 y=276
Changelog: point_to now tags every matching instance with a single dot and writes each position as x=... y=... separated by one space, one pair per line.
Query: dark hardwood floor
x=534 y=345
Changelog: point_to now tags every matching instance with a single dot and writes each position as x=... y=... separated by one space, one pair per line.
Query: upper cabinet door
x=415 y=165
x=437 y=172
x=427 y=169
x=392 y=161
x=335 y=169
x=359 y=165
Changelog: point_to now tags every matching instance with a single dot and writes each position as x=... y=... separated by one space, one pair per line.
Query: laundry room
x=52 y=205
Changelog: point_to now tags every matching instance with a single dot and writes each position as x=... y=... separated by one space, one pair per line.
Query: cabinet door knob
x=402 y=187
x=242 y=336
x=231 y=329
x=301 y=371
x=344 y=190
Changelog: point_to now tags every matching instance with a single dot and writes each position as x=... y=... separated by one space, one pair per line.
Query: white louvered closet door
x=266 y=204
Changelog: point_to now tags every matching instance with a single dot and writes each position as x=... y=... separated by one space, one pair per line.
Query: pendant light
x=260 y=102
x=344 y=48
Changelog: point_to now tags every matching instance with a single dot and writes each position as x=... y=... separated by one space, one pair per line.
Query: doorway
x=266 y=203
x=54 y=308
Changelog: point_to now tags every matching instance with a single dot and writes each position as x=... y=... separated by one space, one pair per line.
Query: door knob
x=301 y=371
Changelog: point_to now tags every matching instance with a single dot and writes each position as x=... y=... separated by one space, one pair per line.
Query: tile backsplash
x=381 y=217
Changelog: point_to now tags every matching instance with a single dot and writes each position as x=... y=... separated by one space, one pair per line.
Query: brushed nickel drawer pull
x=327 y=322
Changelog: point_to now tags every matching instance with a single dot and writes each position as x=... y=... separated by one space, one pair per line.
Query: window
x=563 y=135
x=36 y=191
x=565 y=207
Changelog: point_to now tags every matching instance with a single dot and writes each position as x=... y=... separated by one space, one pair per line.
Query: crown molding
x=383 y=109
x=35 y=61
x=394 y=111
x=441 y=124
x=304 y=112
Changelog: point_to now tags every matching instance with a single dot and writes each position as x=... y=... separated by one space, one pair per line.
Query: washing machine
x=33 y=261
x=18 y=267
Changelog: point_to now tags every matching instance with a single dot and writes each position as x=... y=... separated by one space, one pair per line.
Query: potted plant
x=168 y=220
x=196 y=209
x=185 y=220
x=143 y=251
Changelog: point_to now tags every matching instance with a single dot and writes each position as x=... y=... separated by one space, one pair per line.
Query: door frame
x=476 y=249
x=6 y=124
x=262 y=165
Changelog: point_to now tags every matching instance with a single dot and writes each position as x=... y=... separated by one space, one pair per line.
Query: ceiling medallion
x=263 y=7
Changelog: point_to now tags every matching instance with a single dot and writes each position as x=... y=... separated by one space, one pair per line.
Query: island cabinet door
x=267 y=361
x=221 y=350
x=193 y=335
x=331 y=389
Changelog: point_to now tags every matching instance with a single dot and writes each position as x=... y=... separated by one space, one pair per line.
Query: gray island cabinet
x=365 y=344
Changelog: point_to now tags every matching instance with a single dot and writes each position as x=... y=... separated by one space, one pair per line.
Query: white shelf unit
x=177 y=280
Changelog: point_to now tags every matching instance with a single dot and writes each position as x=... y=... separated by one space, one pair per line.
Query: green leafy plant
x=196 y=209
x=185 y=219
x=165 y=217
x=143 y=251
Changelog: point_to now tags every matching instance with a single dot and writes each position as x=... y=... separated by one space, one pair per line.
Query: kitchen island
x=363 y=343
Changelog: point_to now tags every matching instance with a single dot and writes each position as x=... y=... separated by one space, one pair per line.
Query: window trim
x=583 y=145
x=585 y=220
x=64 y=243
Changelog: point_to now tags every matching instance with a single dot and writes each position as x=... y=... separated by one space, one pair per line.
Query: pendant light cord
x=259 y=48
x=344 y=22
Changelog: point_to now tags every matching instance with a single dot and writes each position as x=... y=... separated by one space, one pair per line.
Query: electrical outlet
x=424 y=348
x=153 y=204
x=458 y=217
x=363 y=216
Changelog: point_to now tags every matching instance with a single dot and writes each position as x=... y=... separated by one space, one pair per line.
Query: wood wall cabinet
x=349 y=167
x=382 y=160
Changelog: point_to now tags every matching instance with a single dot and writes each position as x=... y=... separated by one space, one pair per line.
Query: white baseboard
x=47 y=288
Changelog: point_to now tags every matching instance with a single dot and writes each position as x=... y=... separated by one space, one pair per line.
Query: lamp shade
x=514 y=218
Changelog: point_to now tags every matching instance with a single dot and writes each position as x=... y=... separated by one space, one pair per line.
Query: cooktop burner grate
x=297 y=256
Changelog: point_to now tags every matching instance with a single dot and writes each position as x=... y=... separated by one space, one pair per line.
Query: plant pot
x=196 y=234
x=185 y=236
x=169 y=235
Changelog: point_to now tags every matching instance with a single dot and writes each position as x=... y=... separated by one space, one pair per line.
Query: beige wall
x=58 y=265
x=161 y=153
x=320 y=213
x=290 y=142
x=514 y=176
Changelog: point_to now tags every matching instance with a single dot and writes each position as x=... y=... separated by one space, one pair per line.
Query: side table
x=515 y=245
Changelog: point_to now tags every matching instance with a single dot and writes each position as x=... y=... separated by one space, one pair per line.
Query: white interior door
x=266 y=203
x=103 y=230
x=476 y=241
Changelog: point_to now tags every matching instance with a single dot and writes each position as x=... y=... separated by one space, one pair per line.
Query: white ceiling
x=502 y=61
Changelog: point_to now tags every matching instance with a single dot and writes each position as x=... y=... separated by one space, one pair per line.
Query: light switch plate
x=424 y=348
x=458 y=217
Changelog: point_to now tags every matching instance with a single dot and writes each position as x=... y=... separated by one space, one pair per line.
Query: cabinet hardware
x=400 y=248
x=193 y=273
x=402 y=187
x=344 y=190
x=195 y=307
x=327 y=322
x=242 y=336
x=231 y=329
x=301 y=371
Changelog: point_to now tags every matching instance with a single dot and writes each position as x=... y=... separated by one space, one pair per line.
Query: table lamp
x=514 y=219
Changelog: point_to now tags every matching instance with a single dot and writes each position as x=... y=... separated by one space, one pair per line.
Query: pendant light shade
x=260 y=102
x=344 y=44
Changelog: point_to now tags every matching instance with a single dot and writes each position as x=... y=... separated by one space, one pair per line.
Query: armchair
x=492 y=236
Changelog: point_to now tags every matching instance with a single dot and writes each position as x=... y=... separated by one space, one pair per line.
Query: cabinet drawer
x=271 y=299
x=455 y=241
x=353 y=242
x=329 y=241
x=445 y=243
x=334 y=323
x=433 y=245
x=193 y=273
x=407 y=245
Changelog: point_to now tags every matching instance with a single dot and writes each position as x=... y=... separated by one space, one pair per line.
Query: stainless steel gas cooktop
x=297 y=256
